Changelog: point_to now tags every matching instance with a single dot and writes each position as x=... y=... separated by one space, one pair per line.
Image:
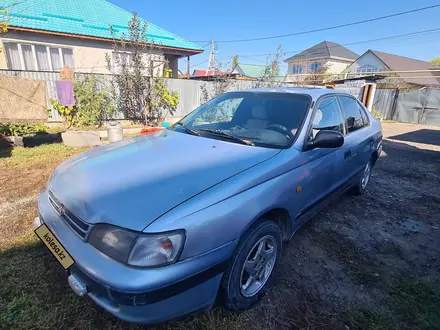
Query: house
x=203 y=73
x=249 y=71
x=44 y=35
x=252 y=72
x=373 y=61
x=328 y=55
x=240 y=72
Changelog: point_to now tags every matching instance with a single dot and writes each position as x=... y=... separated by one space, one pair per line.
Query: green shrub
x=68 y=112
x=92 y=106
x=22 y=129
x=376 y=113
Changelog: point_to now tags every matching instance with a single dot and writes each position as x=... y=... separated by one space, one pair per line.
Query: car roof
x=315 y=93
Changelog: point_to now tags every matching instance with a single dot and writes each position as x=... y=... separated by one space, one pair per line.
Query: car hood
x=133 y=182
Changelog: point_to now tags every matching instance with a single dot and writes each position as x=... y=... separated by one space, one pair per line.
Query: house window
x=366 y=69
x=297 y=69
x=56 y=59
x=315 y=66
x=42 y=58
x=37 y=57
x=120 y=59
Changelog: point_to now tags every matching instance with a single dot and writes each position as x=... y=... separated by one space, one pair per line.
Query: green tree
x=163 y=101
x=4 y=20
x=271 y=73
x=138 y=84
x=93 y=104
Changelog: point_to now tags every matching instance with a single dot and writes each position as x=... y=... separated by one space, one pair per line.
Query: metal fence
x=384 y=102
x=49 y=77
x=420 y=106
x=190 y=91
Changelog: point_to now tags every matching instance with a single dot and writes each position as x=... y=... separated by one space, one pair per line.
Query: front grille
x=78 y=226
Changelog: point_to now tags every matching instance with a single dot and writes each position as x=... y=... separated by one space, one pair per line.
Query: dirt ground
x=368 y=262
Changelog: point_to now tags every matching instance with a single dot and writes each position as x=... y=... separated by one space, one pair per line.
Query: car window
x=221 y=112
x=352 y=114
x=267 y=119
x=327 y=117
x=364 y=115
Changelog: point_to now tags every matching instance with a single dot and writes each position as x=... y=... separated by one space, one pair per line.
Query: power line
x=354 y=43
x=208 y=44
x=329 y=27
x=192 y=66
x=253 y=59
x=380 y=73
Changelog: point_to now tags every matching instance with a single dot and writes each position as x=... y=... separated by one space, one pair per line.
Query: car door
x=357 y=142
x=322 y=166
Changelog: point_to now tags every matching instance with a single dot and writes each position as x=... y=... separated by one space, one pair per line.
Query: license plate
x=54 y=246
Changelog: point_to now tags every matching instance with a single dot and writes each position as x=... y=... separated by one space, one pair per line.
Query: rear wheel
x=252 y=266
x=360 y=188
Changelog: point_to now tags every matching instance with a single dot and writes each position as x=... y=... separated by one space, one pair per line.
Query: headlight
x=135 y=248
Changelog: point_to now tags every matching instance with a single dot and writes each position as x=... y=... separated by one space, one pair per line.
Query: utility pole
x=211 y=61
x=187 y=67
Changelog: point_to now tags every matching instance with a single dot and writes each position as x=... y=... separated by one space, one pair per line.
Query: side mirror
x=326 y=139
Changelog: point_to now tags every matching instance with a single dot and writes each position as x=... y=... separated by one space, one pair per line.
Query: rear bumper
x=138 y=294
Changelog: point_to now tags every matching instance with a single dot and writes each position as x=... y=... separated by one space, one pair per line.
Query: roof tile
x=84 y=17
x=325 y=49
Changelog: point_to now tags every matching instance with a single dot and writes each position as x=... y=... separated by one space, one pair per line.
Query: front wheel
x=360 y=188
x=252 y=266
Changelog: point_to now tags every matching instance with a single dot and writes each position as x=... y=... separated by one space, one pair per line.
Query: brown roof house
x=372 y=62
x=327 y=55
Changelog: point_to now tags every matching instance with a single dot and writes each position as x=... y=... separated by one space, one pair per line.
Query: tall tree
x=435 y=61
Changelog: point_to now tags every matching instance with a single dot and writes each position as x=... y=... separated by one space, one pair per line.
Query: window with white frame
x=37 y=57
x=366 y=69
x=120 y=59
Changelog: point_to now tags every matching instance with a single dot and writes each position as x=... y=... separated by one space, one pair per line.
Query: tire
x=364 y=179
x=238 y=290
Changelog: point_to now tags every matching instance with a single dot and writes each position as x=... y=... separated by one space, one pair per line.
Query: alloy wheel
x=366 y=176
x=258 y=266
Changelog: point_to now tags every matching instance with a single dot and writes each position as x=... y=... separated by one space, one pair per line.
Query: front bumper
x=139 y=294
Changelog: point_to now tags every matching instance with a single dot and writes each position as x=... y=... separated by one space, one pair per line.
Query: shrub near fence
x=190 y=91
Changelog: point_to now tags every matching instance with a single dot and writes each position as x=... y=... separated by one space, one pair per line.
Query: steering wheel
x=280 y=129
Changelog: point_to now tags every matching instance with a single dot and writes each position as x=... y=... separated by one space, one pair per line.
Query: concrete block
x=81 y=138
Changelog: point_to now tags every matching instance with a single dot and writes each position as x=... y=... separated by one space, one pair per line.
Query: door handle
x=347 y=154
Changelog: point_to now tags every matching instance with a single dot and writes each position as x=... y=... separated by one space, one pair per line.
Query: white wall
x=89 y=55
x=367 y=58
x=335 y=67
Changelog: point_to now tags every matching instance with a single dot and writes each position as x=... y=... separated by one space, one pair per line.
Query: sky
x=201 y=21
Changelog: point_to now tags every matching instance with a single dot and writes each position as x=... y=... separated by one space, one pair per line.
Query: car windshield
x=267 y=119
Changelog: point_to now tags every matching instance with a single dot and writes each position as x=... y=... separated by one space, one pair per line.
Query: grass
x=411 y=304
x=416 y=303
x=44 y=155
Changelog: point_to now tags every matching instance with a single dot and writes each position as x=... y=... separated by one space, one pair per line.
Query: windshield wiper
x=188 y=129
x=226 y=135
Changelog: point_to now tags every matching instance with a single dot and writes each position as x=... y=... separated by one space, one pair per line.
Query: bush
x=22 y=129
x=92 y=106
